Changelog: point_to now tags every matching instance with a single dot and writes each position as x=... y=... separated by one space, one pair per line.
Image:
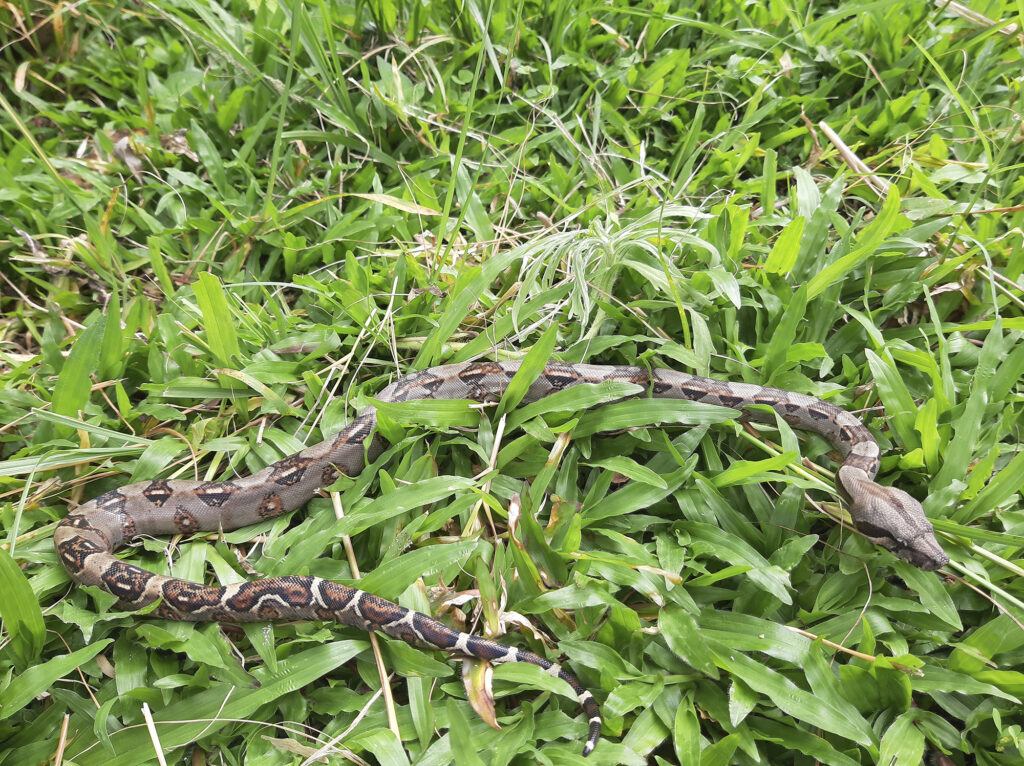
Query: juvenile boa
x=86 y=538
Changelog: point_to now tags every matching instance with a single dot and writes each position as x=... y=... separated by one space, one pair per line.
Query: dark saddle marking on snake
x=86 y=538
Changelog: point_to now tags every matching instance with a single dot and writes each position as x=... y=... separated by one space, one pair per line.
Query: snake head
x=891 y=518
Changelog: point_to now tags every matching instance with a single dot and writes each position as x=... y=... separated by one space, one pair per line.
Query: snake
x=87 y=537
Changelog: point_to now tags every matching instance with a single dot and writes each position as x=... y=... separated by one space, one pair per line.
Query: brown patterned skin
x=86 y=538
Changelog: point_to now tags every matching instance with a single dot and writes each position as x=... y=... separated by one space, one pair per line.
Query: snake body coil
x=86 y=538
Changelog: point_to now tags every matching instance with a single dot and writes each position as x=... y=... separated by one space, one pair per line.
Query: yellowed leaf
x=398 y=203
x=476 y=677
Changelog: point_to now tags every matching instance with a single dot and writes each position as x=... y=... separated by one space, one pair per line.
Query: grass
x=226 y=226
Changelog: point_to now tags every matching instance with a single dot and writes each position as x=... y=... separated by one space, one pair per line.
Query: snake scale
x=86 y=538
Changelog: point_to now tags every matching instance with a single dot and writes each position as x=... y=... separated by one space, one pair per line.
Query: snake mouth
x=924 y=553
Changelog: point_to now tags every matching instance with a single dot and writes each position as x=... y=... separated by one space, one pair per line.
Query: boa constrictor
x=86 y=538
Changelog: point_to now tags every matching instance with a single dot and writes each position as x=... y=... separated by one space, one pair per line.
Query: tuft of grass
x=225 y=227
